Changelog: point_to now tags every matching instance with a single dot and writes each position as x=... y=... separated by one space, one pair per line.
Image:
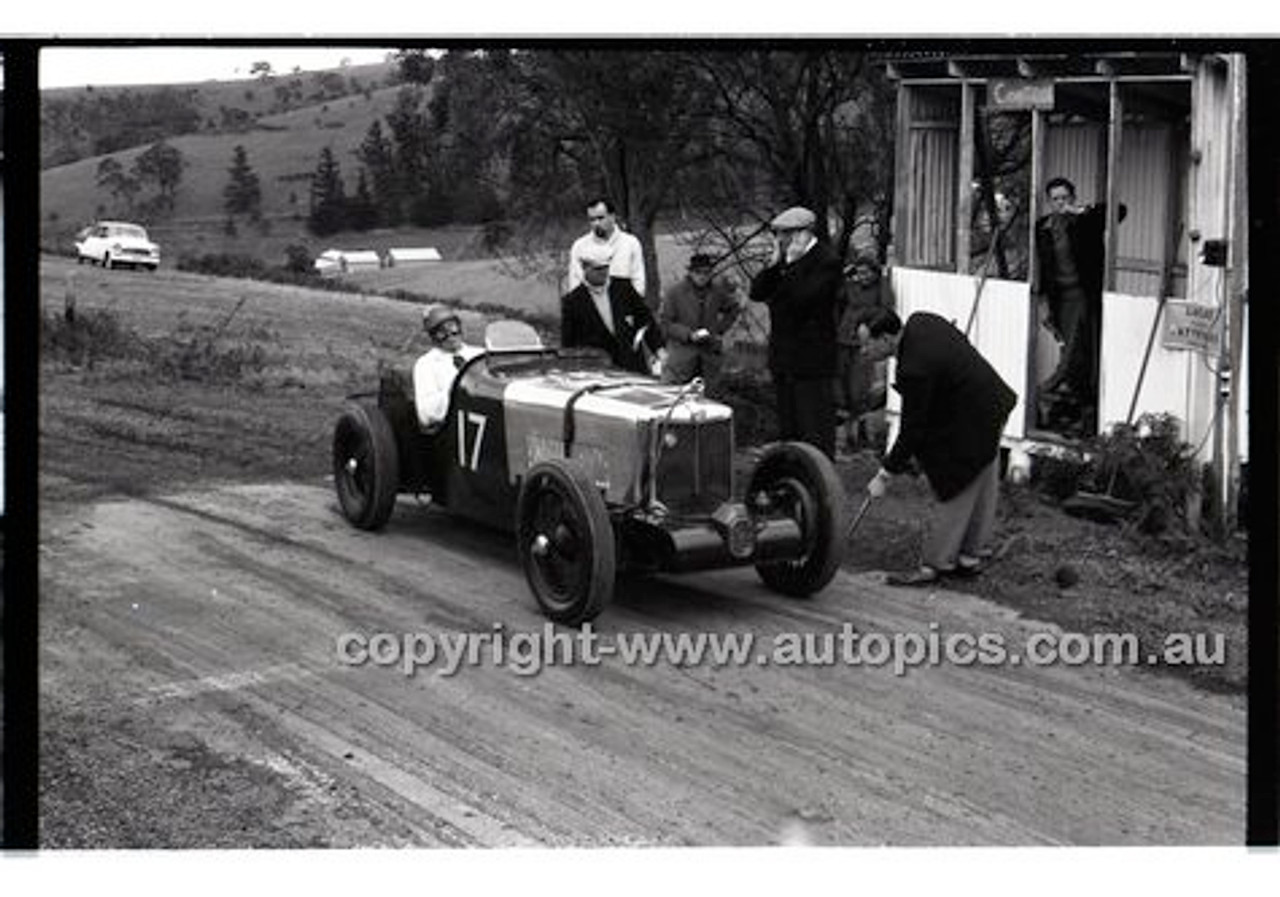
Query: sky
x=101 y=66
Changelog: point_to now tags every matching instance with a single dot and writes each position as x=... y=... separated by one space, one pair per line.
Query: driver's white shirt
x=433 y=375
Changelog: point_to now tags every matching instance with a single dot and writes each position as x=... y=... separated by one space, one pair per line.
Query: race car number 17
x=479 y=420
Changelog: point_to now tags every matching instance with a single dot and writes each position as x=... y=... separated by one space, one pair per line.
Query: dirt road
x=193 y=696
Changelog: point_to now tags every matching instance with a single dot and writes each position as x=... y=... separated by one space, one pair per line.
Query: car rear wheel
x=366 y=466
x=799 y=481
x=565 y=541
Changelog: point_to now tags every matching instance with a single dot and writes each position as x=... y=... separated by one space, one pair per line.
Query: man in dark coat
x=607 y=313
x=1070 y=255
x=803 y=286
x=954 y=406
x=695 y=315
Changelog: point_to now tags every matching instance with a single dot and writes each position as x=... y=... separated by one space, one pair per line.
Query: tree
x=415 y=66
x=122 y=186
x=816 y=123
x=362 y=214
x=621 y=123
x=376 y=155
x=328 y=197
x=411 y=143
x=162 y=165
x=262 y=71
x=243 y=193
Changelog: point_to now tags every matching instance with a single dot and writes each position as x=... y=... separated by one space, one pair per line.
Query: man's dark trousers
x=807 y=411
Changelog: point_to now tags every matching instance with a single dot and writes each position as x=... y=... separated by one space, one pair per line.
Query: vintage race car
x=595 y=470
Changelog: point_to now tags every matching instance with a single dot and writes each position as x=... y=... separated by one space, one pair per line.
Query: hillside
x=282 y=149
x=77 y=121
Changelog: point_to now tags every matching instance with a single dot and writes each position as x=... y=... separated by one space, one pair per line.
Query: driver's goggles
x=446 y=330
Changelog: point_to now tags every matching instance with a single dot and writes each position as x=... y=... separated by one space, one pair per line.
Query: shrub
x=223 y=264
x=1146 y=463
x=200 y=358
x=85 y=337
x=297 y=259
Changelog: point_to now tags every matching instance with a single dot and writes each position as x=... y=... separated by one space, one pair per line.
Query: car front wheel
x=565 y=541
x=366 y=466
x=798 y=480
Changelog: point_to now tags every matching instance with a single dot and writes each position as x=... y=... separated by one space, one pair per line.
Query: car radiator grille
x=696 y=474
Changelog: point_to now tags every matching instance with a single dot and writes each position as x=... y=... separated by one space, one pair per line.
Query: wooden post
x=964 y=179
x=1115 y=129
x=1031 y=405
x=902 y=193
x=1237 y=278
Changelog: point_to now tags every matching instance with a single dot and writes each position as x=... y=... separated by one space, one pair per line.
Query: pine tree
x=376 y=155
x=243 y=193
x=362 y=214
x=328 y=197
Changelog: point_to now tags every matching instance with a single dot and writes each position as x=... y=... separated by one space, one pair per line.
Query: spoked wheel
x=565 y=541
x=799 y=481
x=366 y=467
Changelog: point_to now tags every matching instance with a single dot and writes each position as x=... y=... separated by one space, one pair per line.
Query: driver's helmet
x=436 y=315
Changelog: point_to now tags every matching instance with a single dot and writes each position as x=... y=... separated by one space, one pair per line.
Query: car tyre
x=801 y=481
x=565 y=541
x=366 y=466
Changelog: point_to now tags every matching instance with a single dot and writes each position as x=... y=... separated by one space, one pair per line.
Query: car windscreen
x=128 y=230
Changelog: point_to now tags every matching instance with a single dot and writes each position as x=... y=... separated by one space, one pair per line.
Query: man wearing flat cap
x=607 y=313
x=803 y=287
x=695 y=314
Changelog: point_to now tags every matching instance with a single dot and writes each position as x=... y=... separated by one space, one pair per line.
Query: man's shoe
x=923 y=576
x=963 y=571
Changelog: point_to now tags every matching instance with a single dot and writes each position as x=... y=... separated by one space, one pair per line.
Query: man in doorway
x=627 y=257
x=696 y=313
x=803 y=287
x=954 y=407
x=1071 y=255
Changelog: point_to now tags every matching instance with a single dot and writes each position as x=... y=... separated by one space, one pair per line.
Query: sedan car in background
x=115 y=243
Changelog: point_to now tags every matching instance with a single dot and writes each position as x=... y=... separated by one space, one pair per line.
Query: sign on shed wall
x=1020 y=93
x=1191 y=325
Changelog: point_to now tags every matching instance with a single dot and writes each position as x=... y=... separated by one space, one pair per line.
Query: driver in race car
x=435 y=370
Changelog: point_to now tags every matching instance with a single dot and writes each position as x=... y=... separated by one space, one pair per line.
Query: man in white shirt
x=435 y=371
x=624 y=251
